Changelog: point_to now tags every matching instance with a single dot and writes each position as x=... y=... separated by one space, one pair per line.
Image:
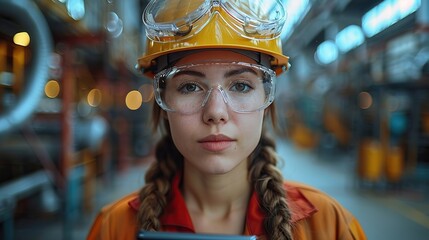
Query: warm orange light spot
x=94 y=97
x=52 y=89
x=133 y=100
x=22 y=39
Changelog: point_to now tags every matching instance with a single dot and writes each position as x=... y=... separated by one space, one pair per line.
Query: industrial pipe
x=27 y=14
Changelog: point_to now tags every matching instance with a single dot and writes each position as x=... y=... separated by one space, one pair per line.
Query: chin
x=217 y=164
x=217 y=167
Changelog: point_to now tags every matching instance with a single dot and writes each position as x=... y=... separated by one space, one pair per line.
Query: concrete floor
x=384 y=214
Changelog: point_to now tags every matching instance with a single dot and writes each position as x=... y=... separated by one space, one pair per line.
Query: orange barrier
x=370 y=160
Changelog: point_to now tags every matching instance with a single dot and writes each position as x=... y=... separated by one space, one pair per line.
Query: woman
x=214 y=65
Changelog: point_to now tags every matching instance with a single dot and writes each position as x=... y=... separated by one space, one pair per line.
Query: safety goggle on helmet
x=181 y=25
x=172 y=20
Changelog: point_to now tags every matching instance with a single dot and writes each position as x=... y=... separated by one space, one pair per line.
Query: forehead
x=214 y=56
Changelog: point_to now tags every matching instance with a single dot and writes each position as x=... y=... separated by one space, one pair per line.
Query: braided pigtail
x=154 y=195
x=268 y=182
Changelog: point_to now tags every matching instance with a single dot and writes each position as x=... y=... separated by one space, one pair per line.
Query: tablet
x=148 y=235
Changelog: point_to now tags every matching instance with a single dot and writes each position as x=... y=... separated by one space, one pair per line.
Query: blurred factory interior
x=74 y=111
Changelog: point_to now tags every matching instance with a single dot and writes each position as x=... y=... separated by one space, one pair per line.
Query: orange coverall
x=315 y=216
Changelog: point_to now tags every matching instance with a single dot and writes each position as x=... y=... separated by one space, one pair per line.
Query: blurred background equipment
x=23 y=78
x=61 y=90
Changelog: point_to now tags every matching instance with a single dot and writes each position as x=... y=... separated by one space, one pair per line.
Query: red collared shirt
x=314 y=215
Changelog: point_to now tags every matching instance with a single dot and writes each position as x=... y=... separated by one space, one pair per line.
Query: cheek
x=181 y=129
x=252 y=120
x=251 y=128
x=176 y=125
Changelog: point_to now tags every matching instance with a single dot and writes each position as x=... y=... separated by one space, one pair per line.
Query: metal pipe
x=27 y=14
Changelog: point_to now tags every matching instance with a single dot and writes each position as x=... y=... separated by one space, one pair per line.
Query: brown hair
x=263 y=172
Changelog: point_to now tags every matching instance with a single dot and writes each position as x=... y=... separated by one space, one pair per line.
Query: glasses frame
x=268 y=73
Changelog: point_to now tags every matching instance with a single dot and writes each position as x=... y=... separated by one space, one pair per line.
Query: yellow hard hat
x=183 y=25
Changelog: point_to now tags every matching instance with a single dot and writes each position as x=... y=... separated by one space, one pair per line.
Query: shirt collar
x=176 y=213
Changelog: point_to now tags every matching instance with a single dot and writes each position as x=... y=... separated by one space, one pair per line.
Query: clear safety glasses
x=173 y=20
x=186 y=89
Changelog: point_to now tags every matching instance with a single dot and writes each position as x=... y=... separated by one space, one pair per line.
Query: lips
x=216 y=143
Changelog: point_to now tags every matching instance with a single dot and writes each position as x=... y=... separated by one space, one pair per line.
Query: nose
x=215 y=108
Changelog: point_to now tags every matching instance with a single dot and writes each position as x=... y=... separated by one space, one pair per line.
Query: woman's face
x=215 y=139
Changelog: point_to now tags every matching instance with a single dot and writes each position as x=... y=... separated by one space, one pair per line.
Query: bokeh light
x=52 y=89
x=365 y=100
x=94 y=97
x=147 y=92
x=21 y=39
x=133 y=100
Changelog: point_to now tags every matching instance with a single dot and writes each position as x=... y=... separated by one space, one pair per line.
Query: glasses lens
x=262 y=10
x=186 y=89
x=259 y=18
x=172 y=18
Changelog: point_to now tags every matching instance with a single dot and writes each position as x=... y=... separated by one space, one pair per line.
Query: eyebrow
x=240 y=71
x=190 y=72
x=226 y=75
